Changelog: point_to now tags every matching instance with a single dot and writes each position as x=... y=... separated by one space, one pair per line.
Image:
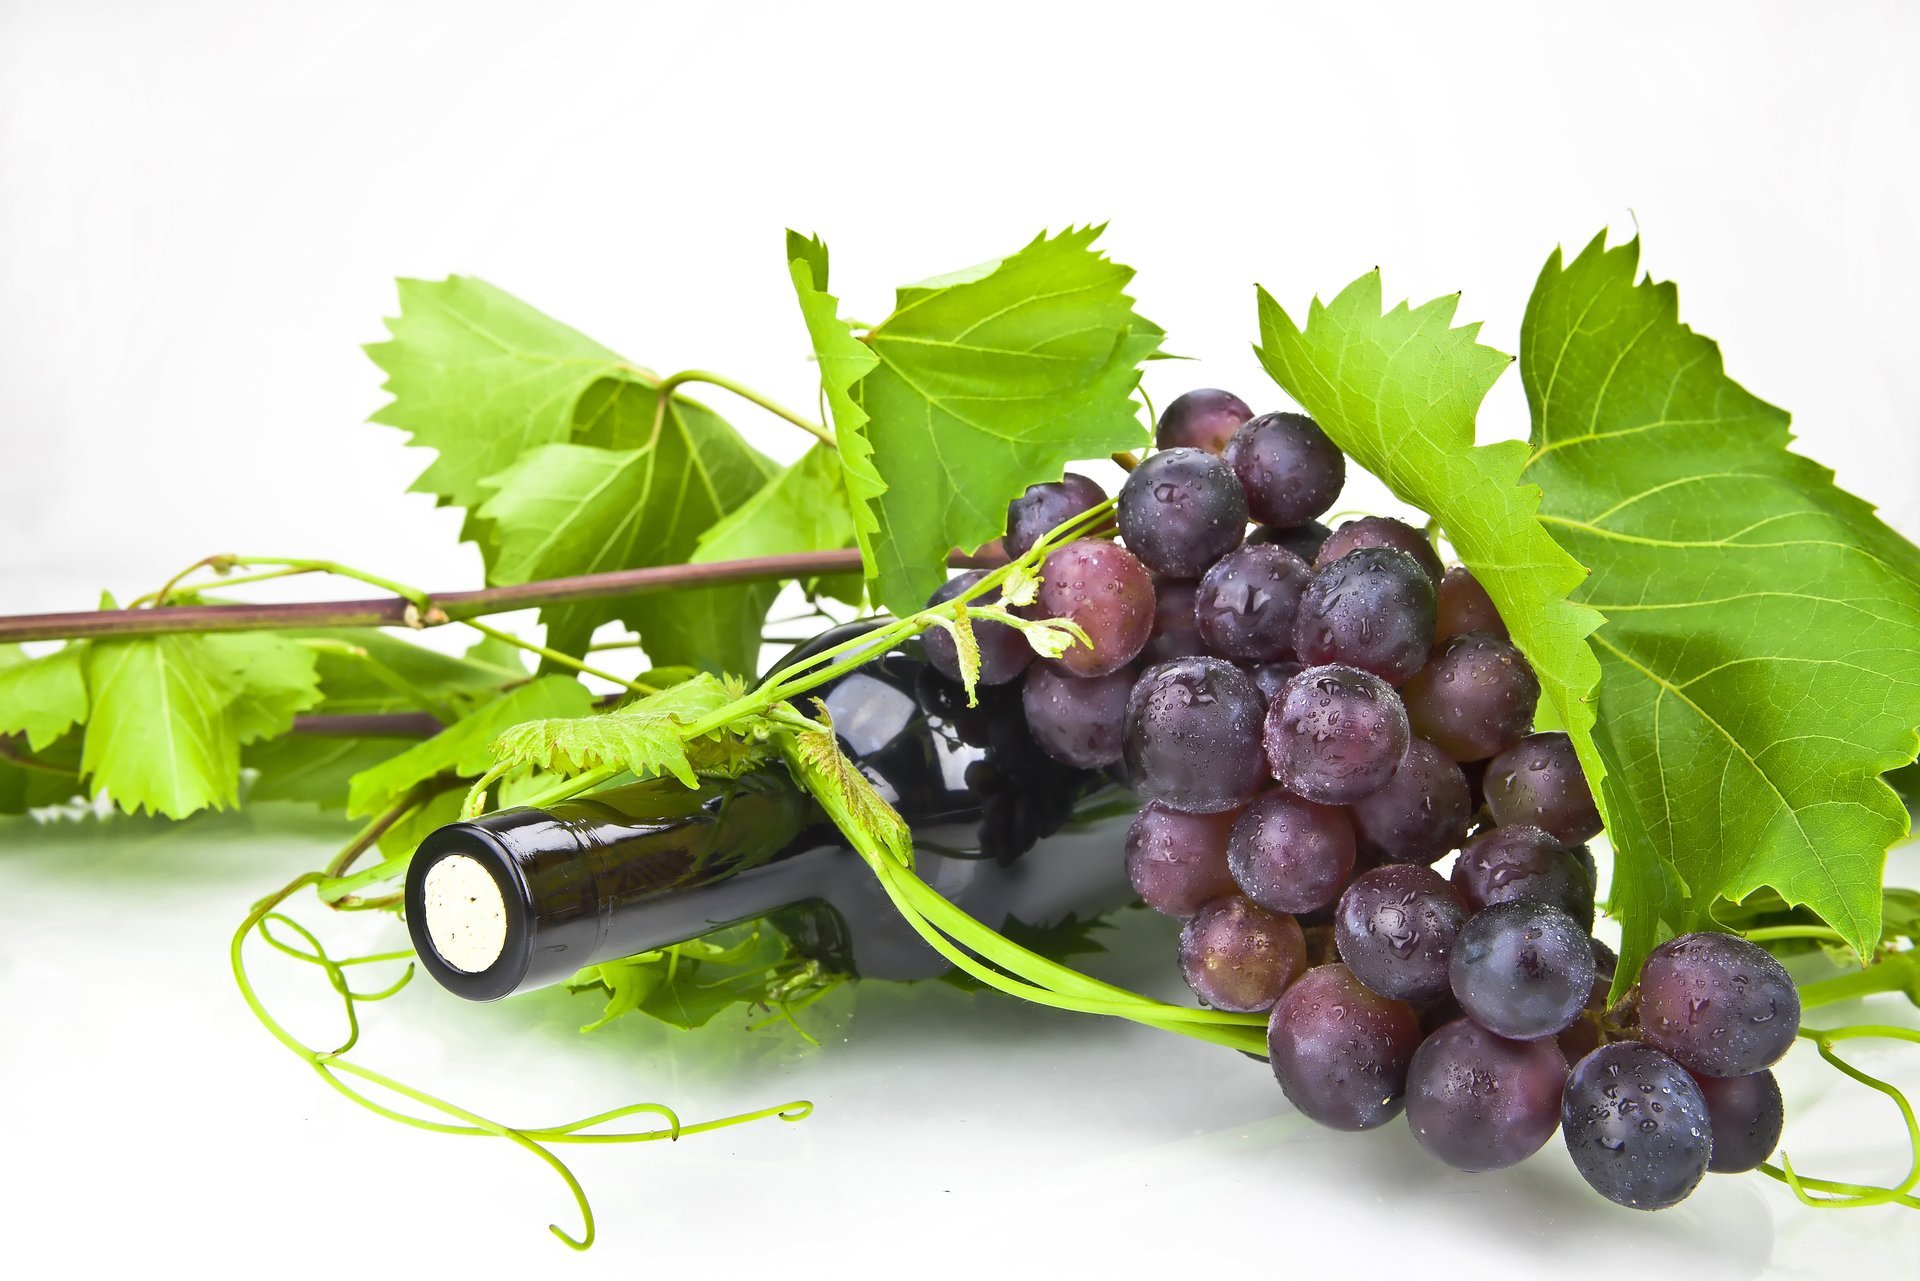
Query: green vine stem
x=1829 y=1194
x=671 y=384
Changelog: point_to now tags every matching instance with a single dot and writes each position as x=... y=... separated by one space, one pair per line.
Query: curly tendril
x=1835 y=1195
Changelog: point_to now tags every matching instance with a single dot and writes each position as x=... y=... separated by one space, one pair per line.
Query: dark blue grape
x=1077 y=720
x=1462 y=605
x=1178 y=862
x=1421 y=813
x=1290 y=855
x=1045 y=507
x=1336 y=734
x=1475 y=698
x=1719 y=1004
x=1288 y=467
x=1004 y=652
x=1193 y=735
x=1395 y=927
x=1483 y=1102
x=1304 y=541
x=1523 y=970
x=1523 y=864
x=1100 y=586
x=1539 y=781
x=1246 y=602
x=1382 y=531
x=1747 y=1113
x=1176 y=632
x=1637 y=1126
x=1372 y=610
x=1339 y=1051
x=1238 y=956
x=1205 y=418
x=1181 y=510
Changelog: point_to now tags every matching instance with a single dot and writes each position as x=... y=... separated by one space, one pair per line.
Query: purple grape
x=1747 y=1113
x=1288 y=467
x=1045 y=507
x=1336 y=734
x=1482 y=1102
x=1176 y=632
x=1720 y=1005
x=1636 y=1126
x=1238 y=956
x=1290 y=855
x=1077 y=720
x=1004 y=652
x=1462 y=605
x=1421 y=813
x=1395 y=927
x=1523 y=970
x=1372 y=610
x=1523 y=865
x=1193 y=735
x=1181 y=510
x=1246 y=601
x=1178 y=862
x=1381 y=531
x=1304 y=541
x=1339 y=1051
x=1202 y=419
x=1272 y=677
x=1100 y=586
x=1539 y=781
x=1474 y=699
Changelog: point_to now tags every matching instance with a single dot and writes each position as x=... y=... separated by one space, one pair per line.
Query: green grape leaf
x=871 y=826
x=630 y=499
x=804 y=508
x=315 y=768
x=987 y=380
x=273 y=677
x=462 y=748
x=1761 y=653
x=1398 y=392
x=646 y=737
x=1905 y=782
x=50 y=776
x=44 y=697
x=688 y=984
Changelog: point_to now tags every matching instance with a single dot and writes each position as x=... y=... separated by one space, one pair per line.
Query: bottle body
x=524 y=898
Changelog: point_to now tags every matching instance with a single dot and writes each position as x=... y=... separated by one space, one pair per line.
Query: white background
x=202 y=207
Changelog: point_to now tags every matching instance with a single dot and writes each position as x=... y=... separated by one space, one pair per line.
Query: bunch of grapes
x=1314 y=718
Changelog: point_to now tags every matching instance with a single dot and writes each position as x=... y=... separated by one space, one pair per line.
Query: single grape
x=1290 y=855
x=1339 y=1051
x=1336 y=734
x=1421 y=813
x=1202 y=419
x=1077 y=720
x=1539 y=781
x=1372 y=610
x=1288 y=467
x=1272 y=677
x=1304 y=541
x=1176 y=632
x=1636 y=1125
x=1395 y=927
x=1100 y=586
x=1044 y=507
x=1523 y=865
x=1462 y=605
x=1474 y=699
x=1246 y=602
x=1192 y=735
x=1382 y=531
x=1719 y=1004
x=1482 y=1102
x=1523 y=970
x=1004 y=652
x=1181 y=510
x=1238 y=956
x=1747 y=1113
x=1178 y=862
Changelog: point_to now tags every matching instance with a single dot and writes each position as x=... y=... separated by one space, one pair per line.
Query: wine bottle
x=524 y=897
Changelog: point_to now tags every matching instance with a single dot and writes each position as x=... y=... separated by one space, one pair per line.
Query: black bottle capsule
x=523 y=898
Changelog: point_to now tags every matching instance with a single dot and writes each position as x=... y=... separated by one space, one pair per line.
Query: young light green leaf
x=1398 y=391
x=802 y=509
x=462 y=748
x=871 y=826
x=646 y=737
x=1761 y=654
x=44 y=697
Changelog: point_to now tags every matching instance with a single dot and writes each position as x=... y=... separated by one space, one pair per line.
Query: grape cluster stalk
x=1313 y=719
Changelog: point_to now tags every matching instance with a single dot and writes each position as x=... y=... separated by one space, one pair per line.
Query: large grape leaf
x=1761 y=654
x=42 y=698
x=802 y=509
x=1398 y=391
x=985 y=381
